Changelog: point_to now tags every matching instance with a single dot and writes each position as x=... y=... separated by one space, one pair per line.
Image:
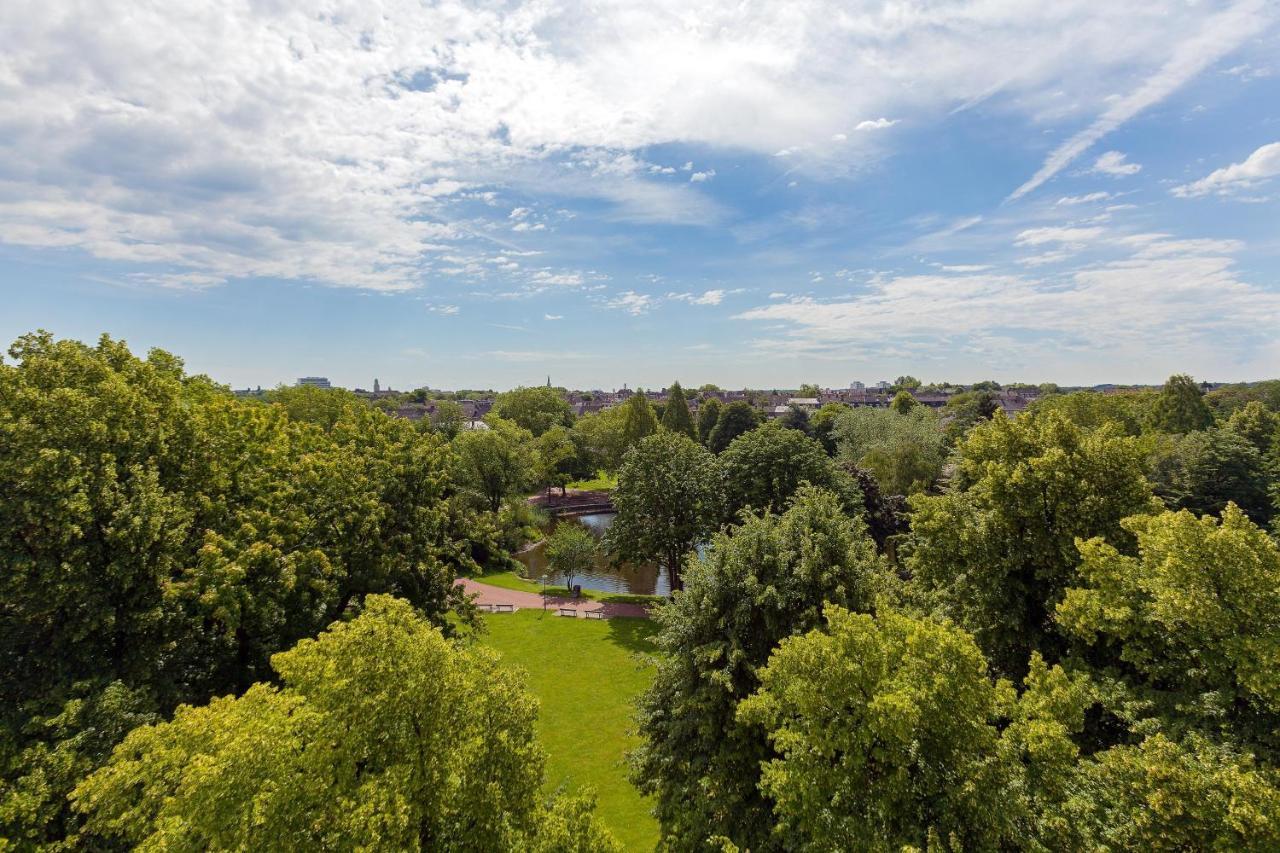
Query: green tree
x=1191 y=618
x=763 y=468
x=536 y=409
x=638 y=419
x=1204 y=471
x=735 y=419
x=571 y=550
x=320 y=406
x=997 y=552
x=903 y=402
x=602 y=437
x=809 y=389
x=968 y=409
x=1090 y=410
x=676 y=416
x=884 y=738
x=558 y=460
x=1163 y=795
x=447 y=419
x=418 y=743
x=756 y=584
x=904 y=452
x=496 y=463
x=906 y=383
x=669 y=499
x=708 y=415
x=1180 y=406
x=1257 y=425
x=823 y=422
x=796 y=419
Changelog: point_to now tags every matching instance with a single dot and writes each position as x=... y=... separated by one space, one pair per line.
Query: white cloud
x=1114 y=163
x=1216 y=37
x=839 y=137
x=708 y=297
x=348 y=143
x=701 y=177
x=553 y=316
x=529 y=226
x=1155 y=296
x=1055 y=234
x=1088 y=198
x=633 y=303
x=519 y=213
x=1260 y=166
x=876 y=124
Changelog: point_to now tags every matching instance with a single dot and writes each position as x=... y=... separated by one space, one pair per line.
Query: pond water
x=604 y=576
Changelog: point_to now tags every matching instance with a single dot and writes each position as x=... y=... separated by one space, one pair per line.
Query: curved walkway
x=583 y=608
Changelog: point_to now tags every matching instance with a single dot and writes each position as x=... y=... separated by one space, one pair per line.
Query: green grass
x=586 y=674
x=601 y=482
x=511 y=580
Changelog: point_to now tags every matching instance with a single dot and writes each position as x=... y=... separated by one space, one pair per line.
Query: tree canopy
x=675 y=416
x=537 y=408
x=735 y=419
x=382 y=734
x=669 y=499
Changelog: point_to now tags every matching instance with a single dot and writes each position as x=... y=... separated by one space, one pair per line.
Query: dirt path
x=584 y=608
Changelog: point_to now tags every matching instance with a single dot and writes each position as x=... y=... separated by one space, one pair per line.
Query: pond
x=605 y=576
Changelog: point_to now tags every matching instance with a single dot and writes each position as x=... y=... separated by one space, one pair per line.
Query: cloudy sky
x=747 y=193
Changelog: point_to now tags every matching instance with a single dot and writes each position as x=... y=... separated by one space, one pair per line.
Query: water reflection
x=644 y=579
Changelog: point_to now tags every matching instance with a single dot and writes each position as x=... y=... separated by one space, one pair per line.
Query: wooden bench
x=568 y=611
x=598 y=613
x=503 y=608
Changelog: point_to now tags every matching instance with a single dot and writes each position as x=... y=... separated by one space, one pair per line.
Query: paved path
x=487 y=594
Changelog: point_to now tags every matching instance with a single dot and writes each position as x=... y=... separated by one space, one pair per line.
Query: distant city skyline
x=769 y=195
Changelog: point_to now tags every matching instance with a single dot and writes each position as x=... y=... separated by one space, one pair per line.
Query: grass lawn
x=586 y=675
x=602 y=482
x=511 y=580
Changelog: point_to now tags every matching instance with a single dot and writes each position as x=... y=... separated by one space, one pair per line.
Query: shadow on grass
x=635 y=635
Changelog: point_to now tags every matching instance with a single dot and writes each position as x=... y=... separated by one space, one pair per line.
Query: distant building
x=809 y=404
x=315 y=381
x=882 y=385
x=376 y=387
x=857 y=386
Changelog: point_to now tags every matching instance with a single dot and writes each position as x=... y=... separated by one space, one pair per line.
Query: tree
x=906 y=383
x=903 y=402
x=1204 y=471
x=796 y=419
x=755 y=585
x=498 y=462
x=447 y=419
x=763 y=468
x=809 y=389
x=735 y=419
x=708 y=415
x=1256 y=425
x=382 y=734
x=1191 y=618
x=1180 y=406
x=638 y=419
x=823 y=422
x=965 y=410
x=885 y=738
x=571 y=550
x=676 y=416
x=997 y=552
x=904 y=452
x=1090 y=410
x=602 y=437
x=536 y=409
x=669 y=500
x=556 y=459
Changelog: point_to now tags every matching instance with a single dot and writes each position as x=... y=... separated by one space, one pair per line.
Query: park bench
x=598 y=613
x=502 y=608
x=567 y=611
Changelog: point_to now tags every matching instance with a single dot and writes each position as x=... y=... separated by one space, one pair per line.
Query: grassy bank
x=586 y=674
x=511 y=580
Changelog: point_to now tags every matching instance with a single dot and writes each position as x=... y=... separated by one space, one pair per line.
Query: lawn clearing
x=586 y=676
x=510 y=580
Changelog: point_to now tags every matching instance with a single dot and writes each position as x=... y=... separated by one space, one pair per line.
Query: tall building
x=376 y=389
x=315 y=381
x=856 y=386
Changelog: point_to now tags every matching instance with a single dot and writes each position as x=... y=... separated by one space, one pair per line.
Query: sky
x=761 y=194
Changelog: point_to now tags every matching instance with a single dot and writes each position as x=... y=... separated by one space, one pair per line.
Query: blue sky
x=468 y=194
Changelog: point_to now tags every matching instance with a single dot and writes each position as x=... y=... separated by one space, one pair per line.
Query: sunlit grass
x=586 y=674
